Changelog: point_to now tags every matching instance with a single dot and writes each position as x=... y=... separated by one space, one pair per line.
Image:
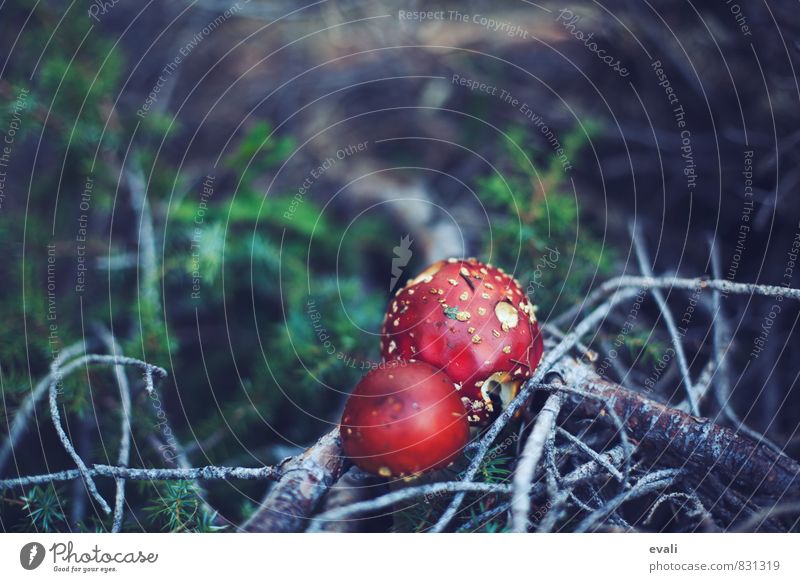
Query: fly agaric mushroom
x=403 y=419
x=472 y=321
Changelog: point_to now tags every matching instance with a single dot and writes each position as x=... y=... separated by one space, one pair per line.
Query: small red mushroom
x=403 y=419
x=472 y=321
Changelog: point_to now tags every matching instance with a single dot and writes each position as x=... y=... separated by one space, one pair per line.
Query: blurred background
x=233 y=191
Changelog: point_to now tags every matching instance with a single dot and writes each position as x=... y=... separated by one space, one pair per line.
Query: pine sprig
x=44 y=507
x=179 y=509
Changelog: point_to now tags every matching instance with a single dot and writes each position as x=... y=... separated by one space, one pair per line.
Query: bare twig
x=55 y=377
x=210 y=472
x=669 y=320
x=124 y=455
x=686 y=284
x=23 y=415
x=701 y=387
x=585 y=350
x=401 y=495
x=78 y=500
x=613 y=457
x=648 y=484
x=520 y=499
x=601 y=459
x=627 y=446
x=721 y=339
x=698 y=511
x=721 y=342
x=62 y=435
x=579 y=476
x=148 y=278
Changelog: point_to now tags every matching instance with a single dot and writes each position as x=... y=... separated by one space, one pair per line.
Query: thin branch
x=613 y=457
x=123 y=458
x=390 y=499
x=580 y=476
x=57 y=374
x=354 y=486
x=585 y=350
x=625 y=443
x=528 y=461
x=721 y=340
x=23 y=415
x=669 y=320
x=686 y=284
x=648 y=484
x=592 y=454
x=722 y=345
x=55 y=414
x=701 y=387
x=210 y=472
x=148 y=279
x=699 y=508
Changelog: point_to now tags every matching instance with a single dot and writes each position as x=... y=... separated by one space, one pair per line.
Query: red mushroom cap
x=472 y=321
x=404 y=419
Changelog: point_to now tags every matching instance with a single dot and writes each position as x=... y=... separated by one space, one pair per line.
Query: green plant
x=264 y=366
x=536 y=223
x=43 y=505
x=180 y=509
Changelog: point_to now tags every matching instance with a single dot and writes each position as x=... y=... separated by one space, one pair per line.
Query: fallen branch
x=696 y=442
x=305 y=480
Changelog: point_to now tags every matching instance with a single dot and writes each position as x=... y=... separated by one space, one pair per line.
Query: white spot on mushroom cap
x=507 y=315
